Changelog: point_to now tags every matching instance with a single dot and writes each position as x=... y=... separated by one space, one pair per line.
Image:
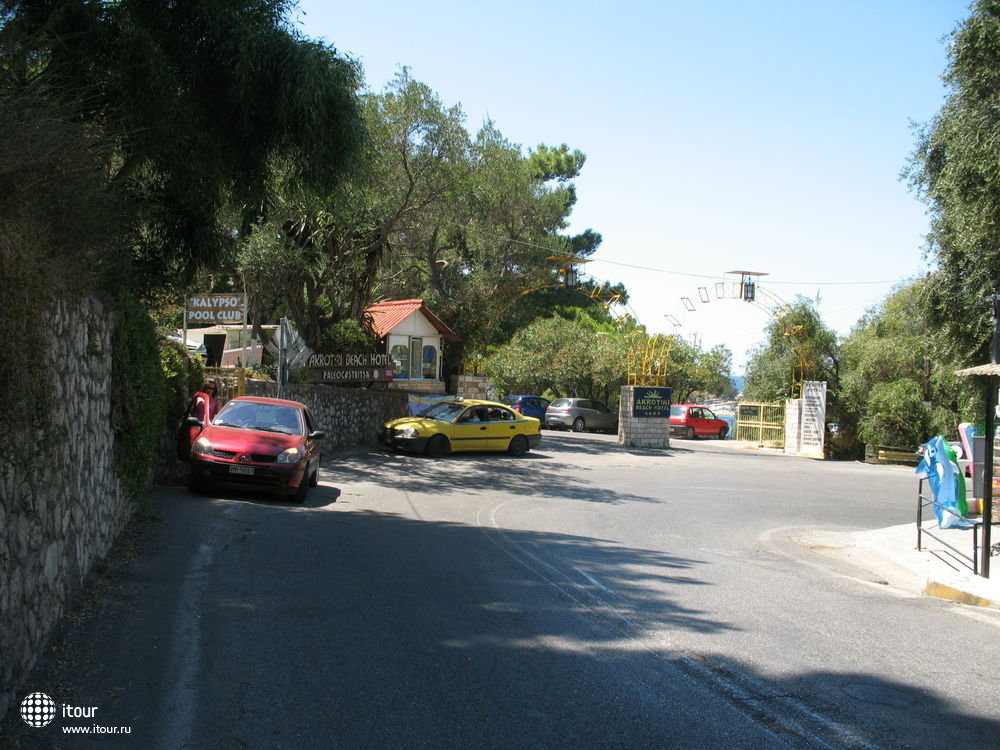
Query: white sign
x=214 y=309
x=813 y=425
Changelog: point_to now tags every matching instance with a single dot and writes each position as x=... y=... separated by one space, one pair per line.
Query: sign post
x=282 y=357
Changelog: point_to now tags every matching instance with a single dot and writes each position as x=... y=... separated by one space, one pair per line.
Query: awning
x=993 y=369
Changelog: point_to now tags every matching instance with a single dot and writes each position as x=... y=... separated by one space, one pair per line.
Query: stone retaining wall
x=61 y=505
x=348 y=416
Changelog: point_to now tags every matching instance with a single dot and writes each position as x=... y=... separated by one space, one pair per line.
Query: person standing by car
x=205 y=403
x=203 y=408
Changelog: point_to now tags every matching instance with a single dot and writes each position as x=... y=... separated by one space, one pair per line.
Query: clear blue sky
x=765 y=136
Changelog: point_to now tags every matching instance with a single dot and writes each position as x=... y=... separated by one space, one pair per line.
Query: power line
x=714 y=277
x=769 y=283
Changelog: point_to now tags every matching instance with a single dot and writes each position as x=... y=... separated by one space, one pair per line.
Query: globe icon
x=38 y=709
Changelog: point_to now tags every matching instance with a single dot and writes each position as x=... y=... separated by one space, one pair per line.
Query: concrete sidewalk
x=934 y=570
x=891 y=554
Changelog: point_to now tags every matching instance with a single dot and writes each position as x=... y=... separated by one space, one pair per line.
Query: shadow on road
x=432 y=633
x=537 y=474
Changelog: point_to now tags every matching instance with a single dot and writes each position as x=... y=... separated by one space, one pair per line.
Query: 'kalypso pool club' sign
x=652 y=402
x=214 y=309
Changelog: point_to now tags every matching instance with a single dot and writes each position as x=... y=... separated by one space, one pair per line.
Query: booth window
x=430 y=363
x=401 y=361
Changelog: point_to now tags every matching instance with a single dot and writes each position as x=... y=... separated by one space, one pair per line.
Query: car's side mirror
x=317 y=435
x=193 y=422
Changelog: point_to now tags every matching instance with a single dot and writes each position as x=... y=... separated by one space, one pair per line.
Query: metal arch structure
x=573 y=279
x=748 y=289
x=563 y=274
x=648 y=357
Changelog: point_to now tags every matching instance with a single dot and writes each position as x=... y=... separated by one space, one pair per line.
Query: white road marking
x=746 y=693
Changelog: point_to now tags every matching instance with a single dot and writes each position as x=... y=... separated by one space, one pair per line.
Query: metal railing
x=763 y=424
x=927 y=502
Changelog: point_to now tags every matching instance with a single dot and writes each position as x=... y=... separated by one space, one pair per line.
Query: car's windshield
x=446 y=411
x=249 y=415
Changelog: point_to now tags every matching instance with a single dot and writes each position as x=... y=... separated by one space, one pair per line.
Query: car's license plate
x=248 y=470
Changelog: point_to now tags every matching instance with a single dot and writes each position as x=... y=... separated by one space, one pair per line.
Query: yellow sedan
x=463 y=425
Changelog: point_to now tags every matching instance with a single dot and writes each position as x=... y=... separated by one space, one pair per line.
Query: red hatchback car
x=265 y=443
x=693 y=420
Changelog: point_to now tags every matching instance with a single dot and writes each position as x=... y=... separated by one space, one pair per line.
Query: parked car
x=529 y=406
x=458 y=424
x=580 y=414
x=694 y=420
x=266 y=443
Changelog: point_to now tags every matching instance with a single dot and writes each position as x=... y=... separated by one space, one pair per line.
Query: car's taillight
x=517 y=408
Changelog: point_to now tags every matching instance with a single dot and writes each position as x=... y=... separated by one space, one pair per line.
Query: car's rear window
x=511 y=400
x=560 y=402
x=676 y=411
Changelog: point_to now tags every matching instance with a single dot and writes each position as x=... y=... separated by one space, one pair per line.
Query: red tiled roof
x=388 y=315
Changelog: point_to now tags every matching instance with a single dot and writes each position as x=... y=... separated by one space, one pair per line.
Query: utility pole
x=991 y=422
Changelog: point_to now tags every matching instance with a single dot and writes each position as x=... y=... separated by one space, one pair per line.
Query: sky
x=767 y=136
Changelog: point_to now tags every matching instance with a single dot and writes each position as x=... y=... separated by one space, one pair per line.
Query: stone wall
x=348 y=416
x=423 y=387
x=473 y=386
x=793 y=422
x=61 y=505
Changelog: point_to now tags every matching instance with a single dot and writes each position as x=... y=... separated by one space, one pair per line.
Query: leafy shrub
x=894 y=415
x=346 y=337
x=182 y=376
x=138 y=404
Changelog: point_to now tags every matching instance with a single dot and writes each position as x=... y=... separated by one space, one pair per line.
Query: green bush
x=347 y=337
x=895 y=415
x=182 y=376
x=138 y=403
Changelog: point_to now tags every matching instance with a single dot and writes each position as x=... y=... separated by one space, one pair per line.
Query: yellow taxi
x=458 y=424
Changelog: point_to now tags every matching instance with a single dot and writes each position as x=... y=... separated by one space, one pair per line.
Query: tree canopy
x=204 y=100
x=562 y=357
x=465 y=222
x=899 y=386
x=799 y=346
x=577 y=353
x=954 y=170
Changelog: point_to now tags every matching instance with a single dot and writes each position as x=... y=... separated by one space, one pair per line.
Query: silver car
x=580 y=414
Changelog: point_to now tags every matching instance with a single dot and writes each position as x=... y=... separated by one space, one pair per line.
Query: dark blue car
x=529 y=406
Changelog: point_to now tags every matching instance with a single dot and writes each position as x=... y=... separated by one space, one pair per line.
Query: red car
x=264 y=443
x=694 y=420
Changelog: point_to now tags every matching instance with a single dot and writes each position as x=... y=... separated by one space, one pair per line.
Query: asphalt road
x=582 y=596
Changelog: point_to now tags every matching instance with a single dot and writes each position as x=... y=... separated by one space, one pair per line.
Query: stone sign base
x=640 y=432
